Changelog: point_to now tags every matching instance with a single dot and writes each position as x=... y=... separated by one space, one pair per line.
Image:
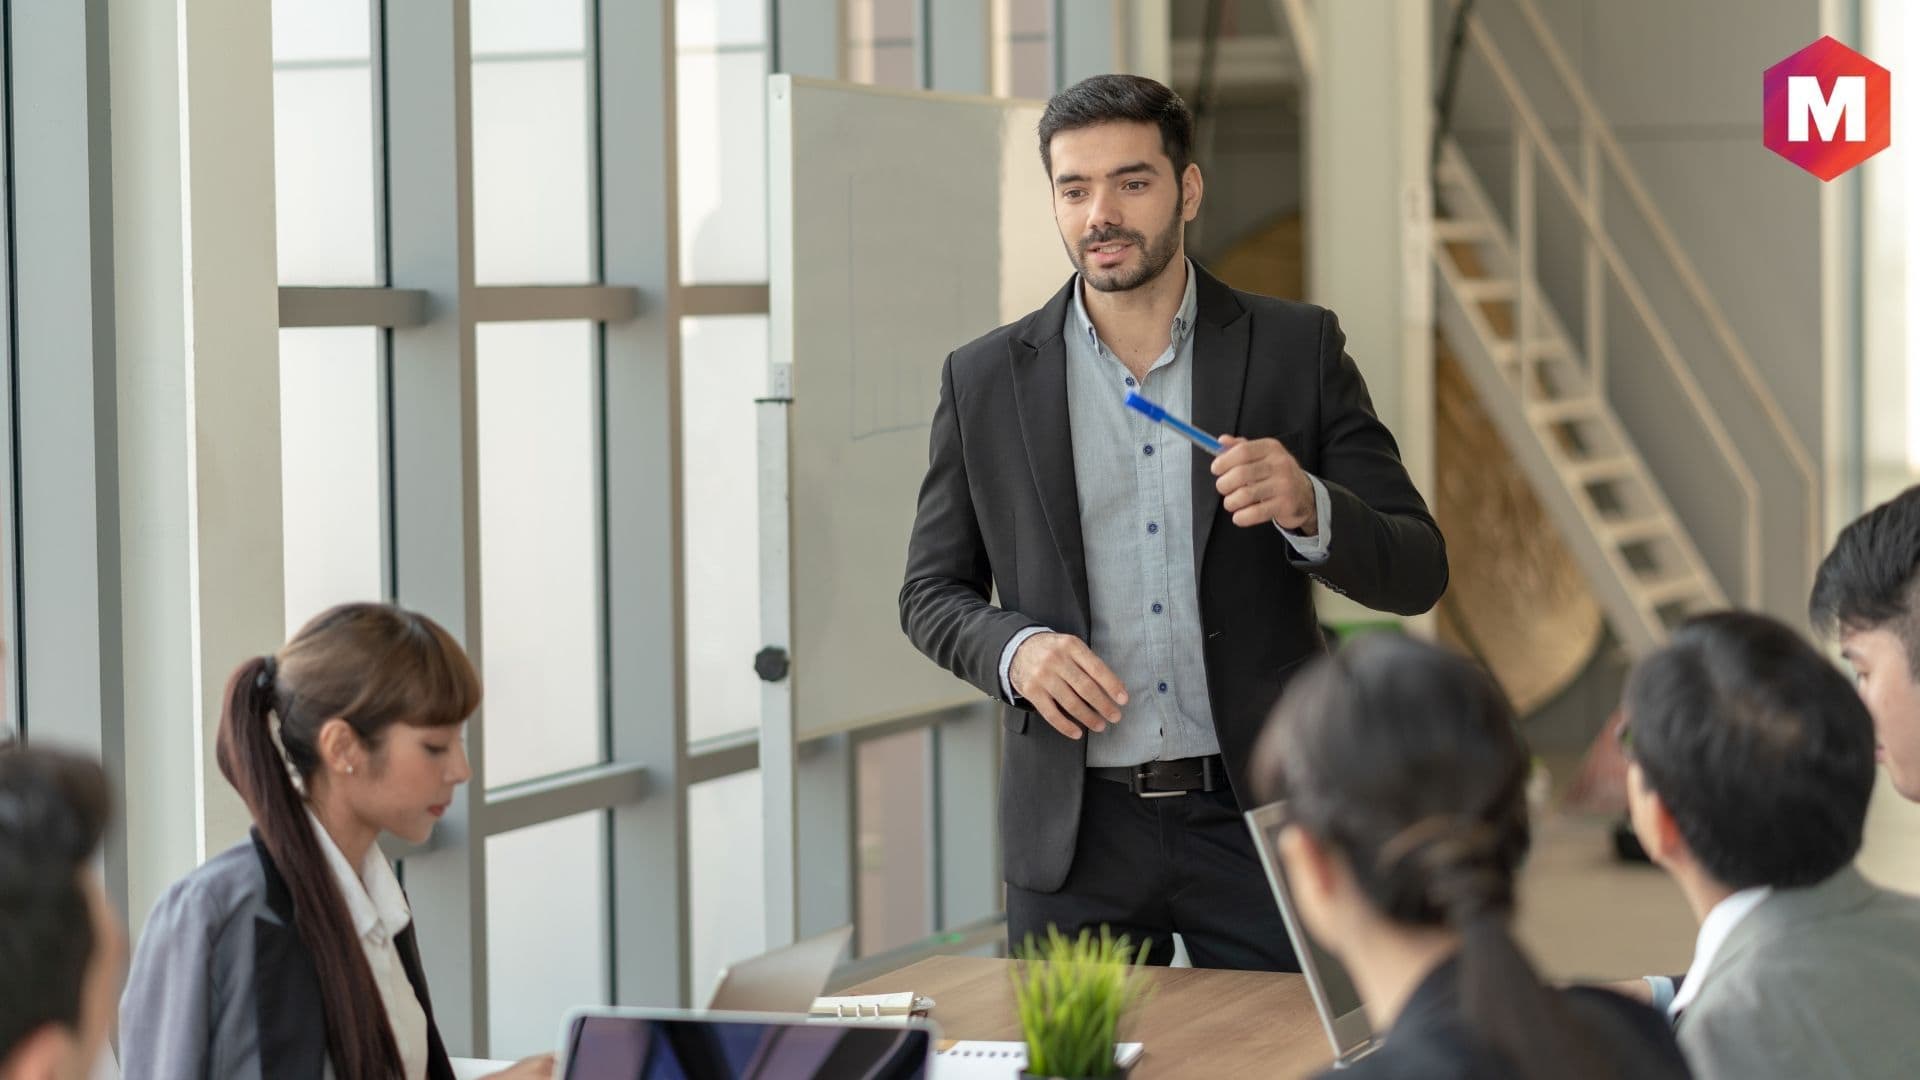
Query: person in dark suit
x=61 y=945
x=1405 y=782
x=1152 y=600
x=293 y=953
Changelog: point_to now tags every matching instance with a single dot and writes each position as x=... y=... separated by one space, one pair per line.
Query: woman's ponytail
x=1470 y=880
x=359 y=1039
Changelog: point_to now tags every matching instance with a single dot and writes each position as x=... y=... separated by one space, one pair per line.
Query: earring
x=349 y=770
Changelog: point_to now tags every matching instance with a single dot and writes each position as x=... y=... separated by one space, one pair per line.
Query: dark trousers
x=1150 y=868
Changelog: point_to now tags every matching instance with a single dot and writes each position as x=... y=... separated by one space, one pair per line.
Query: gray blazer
x=1821 y=981
x=223 y=987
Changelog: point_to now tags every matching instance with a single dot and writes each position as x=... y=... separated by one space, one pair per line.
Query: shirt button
x=1156 y=609
x=1163 y=688
x=1147 y=450
x=1130 y=380
x=1152 y=527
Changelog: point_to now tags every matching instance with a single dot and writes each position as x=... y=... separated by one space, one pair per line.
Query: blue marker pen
x=1159 y=415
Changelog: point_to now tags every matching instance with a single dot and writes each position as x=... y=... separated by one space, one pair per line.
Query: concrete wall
x=1680 y=85
x=1252 y=172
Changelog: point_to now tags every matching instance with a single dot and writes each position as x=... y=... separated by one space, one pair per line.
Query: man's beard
x=1154 y=256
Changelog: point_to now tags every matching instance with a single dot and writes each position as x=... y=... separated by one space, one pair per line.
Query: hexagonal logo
x=1827 y=108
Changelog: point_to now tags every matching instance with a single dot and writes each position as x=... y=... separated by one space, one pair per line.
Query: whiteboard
x=901 y=225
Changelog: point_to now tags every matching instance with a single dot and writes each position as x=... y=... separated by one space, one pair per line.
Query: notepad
x=976 y=1060
x=870 y=1006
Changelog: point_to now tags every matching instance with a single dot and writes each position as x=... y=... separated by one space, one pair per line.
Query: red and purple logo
x=1828 y=108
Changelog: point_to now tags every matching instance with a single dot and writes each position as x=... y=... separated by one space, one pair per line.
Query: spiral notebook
x=971 y=1059
x=871 y=1006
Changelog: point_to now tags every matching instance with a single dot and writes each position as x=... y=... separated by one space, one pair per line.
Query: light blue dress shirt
x=1135 y=488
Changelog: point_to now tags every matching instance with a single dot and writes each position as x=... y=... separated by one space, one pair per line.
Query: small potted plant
x=1072 y=994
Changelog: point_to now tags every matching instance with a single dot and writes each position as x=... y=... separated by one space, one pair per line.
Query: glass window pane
x=322 y=29
x=1032 y=71
x=522 y=26
x=532 y=147
x=726 y=883
x=547 y=940
x=722 y=132
x=1021 y=60
x=896 y=840
x=881 y=42
x=332 y=483
x=710 y=23
x=325 y=179
x=1027 y=17
x=539 y=548
x=722 y=369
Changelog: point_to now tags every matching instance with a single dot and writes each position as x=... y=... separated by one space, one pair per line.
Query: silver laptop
x=784 y=980
x=1334 y=994
x=671 y=1044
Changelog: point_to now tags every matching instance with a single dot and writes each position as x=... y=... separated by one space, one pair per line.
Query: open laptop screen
x=1333 y=990
x=613 y=1046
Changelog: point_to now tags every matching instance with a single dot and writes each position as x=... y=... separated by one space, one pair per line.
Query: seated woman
x=1405 y=781
x=293 y=953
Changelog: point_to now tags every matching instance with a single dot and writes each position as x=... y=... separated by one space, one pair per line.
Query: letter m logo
x=1827 y=108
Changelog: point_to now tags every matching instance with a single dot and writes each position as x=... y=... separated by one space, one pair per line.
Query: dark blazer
x=222 y=986
x=999 y=511
x=1430 y=1040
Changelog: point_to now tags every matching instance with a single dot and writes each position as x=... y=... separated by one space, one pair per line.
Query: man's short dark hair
x=53 y=810
x=1106 y=99
x=1759 y=747
x=1871 y=578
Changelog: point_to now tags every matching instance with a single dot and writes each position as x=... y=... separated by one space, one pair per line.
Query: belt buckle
x=1139 y=786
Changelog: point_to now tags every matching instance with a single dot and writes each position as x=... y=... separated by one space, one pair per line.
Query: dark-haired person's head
x=61 y=948
x=1405 y=778
x=1868 y=593
x=1118 y=153
x=1751 y=758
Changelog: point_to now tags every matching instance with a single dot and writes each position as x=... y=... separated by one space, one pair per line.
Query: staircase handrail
x=1594 y=126
x=1533 y=133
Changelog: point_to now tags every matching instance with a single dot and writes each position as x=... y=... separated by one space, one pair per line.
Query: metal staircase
x=1545 y=389
x=1640 y=562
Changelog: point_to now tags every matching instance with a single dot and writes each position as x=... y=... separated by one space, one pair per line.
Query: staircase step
x=1570 y=408
x=1603 y=468
x=1674 y=588
x=1461 y=230
x=1635 y=530
x=1542 y=349
x=1483 y=290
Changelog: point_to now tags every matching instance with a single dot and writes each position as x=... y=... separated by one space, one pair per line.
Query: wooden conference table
x=1195 y=1023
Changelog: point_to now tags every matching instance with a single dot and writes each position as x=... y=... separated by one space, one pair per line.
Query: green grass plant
x=1072 y=994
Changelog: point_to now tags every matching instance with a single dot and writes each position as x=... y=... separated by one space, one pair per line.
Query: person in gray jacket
x=1751 y=761
x=292 y=954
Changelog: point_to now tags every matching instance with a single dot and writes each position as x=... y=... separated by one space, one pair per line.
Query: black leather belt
x=1160 y=779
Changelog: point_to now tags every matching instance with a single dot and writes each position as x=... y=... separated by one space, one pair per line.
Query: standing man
x=1152 y=599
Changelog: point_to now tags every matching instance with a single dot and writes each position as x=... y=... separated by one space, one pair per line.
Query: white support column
x=1370 y=208
x=199 y=407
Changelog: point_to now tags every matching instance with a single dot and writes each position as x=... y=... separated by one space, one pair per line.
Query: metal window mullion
x=426 y=84
x=542 y=303
x=644 y=599
x=555 y=798
x=371 y=305
x=63 y=524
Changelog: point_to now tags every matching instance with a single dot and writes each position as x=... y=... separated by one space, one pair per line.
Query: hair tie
x=269 y=671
